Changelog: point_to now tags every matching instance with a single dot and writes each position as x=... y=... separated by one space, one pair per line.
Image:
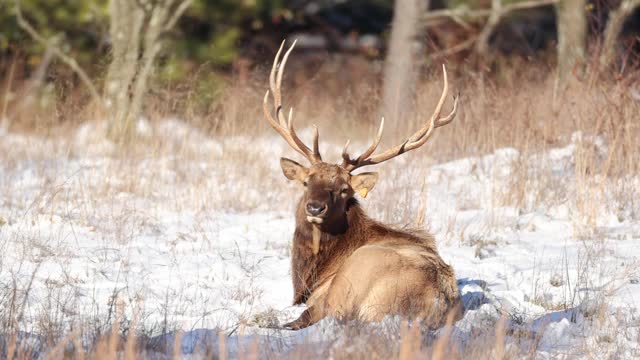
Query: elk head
x=329 y=187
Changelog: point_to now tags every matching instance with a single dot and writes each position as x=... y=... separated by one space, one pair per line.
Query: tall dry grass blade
x=222 y=346
x=130 y=346
x=101 y=351
x=404 y=331
x=28 y=353
x=58 y=350
x=112 y=347
x=500 y=337
x=177 y=345
x=7 y=92
x=422 y=210
x=410 y=339
x=439 y=348
x=11 y=349
x=77 y=344
x=253 y=353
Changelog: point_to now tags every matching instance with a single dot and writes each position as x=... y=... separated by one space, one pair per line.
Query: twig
x=614 y=28
x=7 y=92
x=463 y=11
x=482 y=46
x=34 y=82
x=456 y=48
x=494 y=14
x=177 y=14
x=68 y=60
x=522 y=5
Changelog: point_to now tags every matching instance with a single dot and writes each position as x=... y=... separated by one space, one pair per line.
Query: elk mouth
x=315 y=219
x=316 y=211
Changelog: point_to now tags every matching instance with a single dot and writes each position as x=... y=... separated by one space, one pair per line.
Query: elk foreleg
x=309 y=317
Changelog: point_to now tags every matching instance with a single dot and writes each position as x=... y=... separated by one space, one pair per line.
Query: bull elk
x=345 y=264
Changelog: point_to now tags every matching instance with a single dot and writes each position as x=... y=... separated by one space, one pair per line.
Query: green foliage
x=76 y=25
x=210 y=32
x=211 y=29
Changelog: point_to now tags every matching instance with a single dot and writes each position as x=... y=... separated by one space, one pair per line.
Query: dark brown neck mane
x=340 y=238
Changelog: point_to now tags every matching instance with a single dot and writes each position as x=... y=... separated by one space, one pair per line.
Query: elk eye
x=304 y=183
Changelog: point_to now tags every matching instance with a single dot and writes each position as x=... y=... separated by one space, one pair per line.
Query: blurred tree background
x=78 y=26
x=211 y=31
x=218 y=31
x=231 y=38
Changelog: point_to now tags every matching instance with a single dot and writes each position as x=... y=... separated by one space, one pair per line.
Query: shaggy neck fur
x=340 y=237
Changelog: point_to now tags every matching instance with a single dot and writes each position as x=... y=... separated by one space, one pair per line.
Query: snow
x=188 y=237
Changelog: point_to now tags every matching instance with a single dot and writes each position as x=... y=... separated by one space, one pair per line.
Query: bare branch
x=455 y=49
x=494 y=15
x=182 y=7
x=35 y=81
x=523 y=5
x=463 y=11
x=68 y=60
x=7 y=92
x=614 y=27
x=482 y=45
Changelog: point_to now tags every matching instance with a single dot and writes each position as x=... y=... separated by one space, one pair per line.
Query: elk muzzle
x=316 y=211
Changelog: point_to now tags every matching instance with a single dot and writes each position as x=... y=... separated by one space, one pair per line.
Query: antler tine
x=283 y=63
x=436 y=113
x=281 y=67
x=421 y=137
x=283 y=126
x=274 y=67
x=375 y=143
x=312 y=156
x=265 y=108
x=345 y=154
x=416 y=140
x=276 y=126
x=316 y=138
x=435 y=124
x=277 y=97
x=348 y=163
x=449 y=118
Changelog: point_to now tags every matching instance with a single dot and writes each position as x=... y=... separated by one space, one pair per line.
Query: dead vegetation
x=524 y=109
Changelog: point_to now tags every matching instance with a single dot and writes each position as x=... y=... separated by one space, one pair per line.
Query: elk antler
x=413 y=142
x=283 y=126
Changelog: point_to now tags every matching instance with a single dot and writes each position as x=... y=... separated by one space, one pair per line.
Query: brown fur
x=345 y=264
x=364 y=269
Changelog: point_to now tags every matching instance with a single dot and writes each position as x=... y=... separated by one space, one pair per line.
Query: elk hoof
x=293 y=326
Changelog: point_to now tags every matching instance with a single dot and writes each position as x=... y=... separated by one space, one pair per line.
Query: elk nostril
x=315 y=208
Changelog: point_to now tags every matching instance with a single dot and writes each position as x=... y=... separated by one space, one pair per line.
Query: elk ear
x=292 y=170
x=363 y=183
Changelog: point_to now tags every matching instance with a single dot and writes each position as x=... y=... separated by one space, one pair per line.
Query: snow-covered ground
x=192 y=232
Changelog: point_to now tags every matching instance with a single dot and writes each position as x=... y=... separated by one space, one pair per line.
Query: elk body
x=345 y=264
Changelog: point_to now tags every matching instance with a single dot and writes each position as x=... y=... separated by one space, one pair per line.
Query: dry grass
x=525 y=110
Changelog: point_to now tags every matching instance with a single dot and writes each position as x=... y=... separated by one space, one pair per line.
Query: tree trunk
x=572 y=35
x=612 y=32
x=136 y=28
x=126 y=22
x=403 y=60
